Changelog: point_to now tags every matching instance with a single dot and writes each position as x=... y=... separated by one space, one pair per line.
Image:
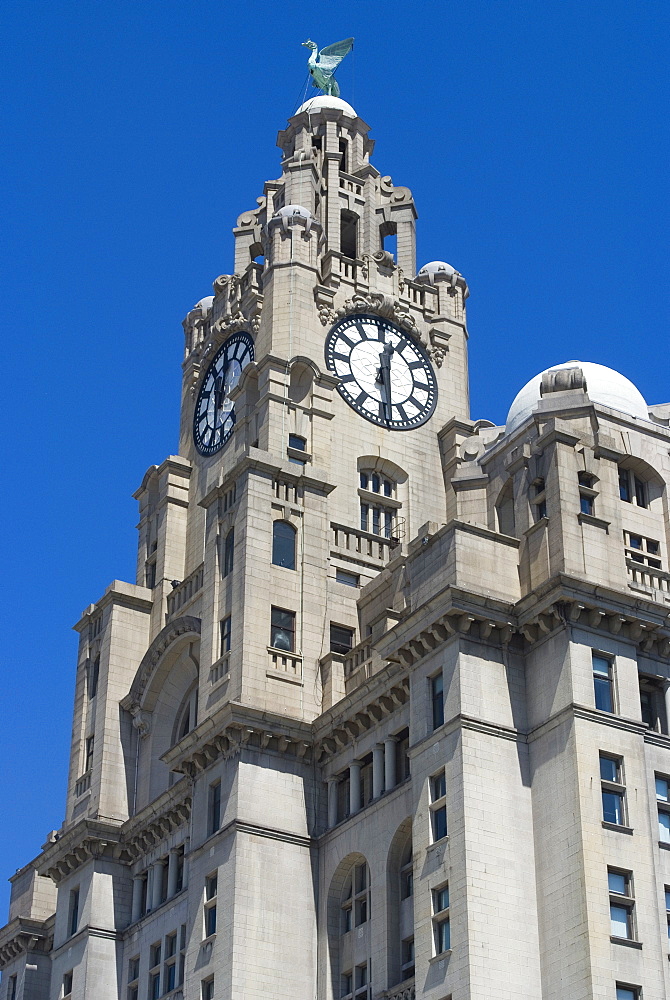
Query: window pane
x=662 y=789
x=437 y=697
x=341 y=639
x=664 y=827
x=667 y=899
x=364 y=480
x=348 y=579
x=439 y=823
x=282 y=630
x=624 y=486
x=640 y=493
x=364 y=517
x=625 y=994
x=283 y=544
x=609 y=769
x=613 y=808
x=438 y=786
x=443 y=935
x=441 y=899
x=388 y=489
x=297 y=442
x=375 y=483
x=210 y=921
x=603 y=693
x=618 y=921
x=617 y=883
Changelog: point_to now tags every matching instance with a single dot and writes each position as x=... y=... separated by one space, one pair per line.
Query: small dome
x=326 y=101
x=289 y=211
x=603 y=385
x=204 y=304
x=438 y=268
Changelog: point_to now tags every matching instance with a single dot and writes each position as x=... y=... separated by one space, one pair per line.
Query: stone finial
x=562 y=379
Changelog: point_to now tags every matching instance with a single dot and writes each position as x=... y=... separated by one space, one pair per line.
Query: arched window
x=505 y=510
x=229 y=552
x=283 y=544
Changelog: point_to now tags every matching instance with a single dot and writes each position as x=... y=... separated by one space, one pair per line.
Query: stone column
x=389 y=763
x=332 y=802
x=377 y=770
x=136 y=910
x=156 y=884
x=354 y=787
x=173 y=867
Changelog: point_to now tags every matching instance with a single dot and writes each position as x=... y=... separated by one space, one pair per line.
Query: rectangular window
x=73 y=912
x=155 y=955
x=407 y=958
x=627 y=992
x=282 y=629
x=437 y=699
x=229 y=552
x=154 y=985
x=346 y=984
x=170 y=966
x=213 y=808
x=133 y=969
x=11 y=988
x=361 y=975
x=348 y=579
x=133 y=993
x=67 y=984
x=603 y=682
x=438 y=806
x=364 y=516
x=88 y=757
x=663 y=802
x=211 y=891
x=93 y=675
x=586 y=505
x=613 y=790
x=225 y=635
x=208 y=989
x=622 y=904
x=667 y=908
x=441 y=926
x=341 y=639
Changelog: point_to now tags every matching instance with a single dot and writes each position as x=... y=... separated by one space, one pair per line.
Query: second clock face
x=384 y=375
x=214 y=415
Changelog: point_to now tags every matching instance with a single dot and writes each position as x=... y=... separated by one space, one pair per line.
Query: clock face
x=384 y=374
x=214 y=415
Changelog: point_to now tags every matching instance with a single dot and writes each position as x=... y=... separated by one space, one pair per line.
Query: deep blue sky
x=533 y=134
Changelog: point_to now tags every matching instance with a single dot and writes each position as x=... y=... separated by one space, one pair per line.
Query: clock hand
x=384 y=376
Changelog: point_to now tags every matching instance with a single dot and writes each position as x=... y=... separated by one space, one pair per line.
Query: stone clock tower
x=386 y=712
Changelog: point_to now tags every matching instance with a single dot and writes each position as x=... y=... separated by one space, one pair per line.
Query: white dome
x=603 y=385
x=205 y=304
x=326 y=101
x=436 y=268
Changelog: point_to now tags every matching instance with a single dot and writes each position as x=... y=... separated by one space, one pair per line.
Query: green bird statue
x=322 y=66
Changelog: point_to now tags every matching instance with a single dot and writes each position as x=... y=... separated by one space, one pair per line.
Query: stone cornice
x=86 y=840
x=22 y=936
x=234 y=728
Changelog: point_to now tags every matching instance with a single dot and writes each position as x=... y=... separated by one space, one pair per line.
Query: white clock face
x=384 y=374
x=214 y=415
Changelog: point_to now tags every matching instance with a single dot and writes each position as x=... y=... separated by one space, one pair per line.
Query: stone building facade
x=385 y=713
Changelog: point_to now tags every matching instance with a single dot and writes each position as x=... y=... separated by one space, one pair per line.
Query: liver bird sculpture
x=322 y=67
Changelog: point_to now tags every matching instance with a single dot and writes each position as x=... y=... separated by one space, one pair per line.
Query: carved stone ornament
x=436 y=355
x=375 y=302
x=396 y=194
x=141 y=721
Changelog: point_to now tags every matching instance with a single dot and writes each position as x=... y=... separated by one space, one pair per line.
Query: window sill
x=541 y=522
x=664 y=845
x=597 y=522
x=441 y=957
x=210 y=939
x=628 y=942
x=617 y=828
x=445 y=840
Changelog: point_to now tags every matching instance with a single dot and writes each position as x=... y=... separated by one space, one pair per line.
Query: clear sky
x=533 y=134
